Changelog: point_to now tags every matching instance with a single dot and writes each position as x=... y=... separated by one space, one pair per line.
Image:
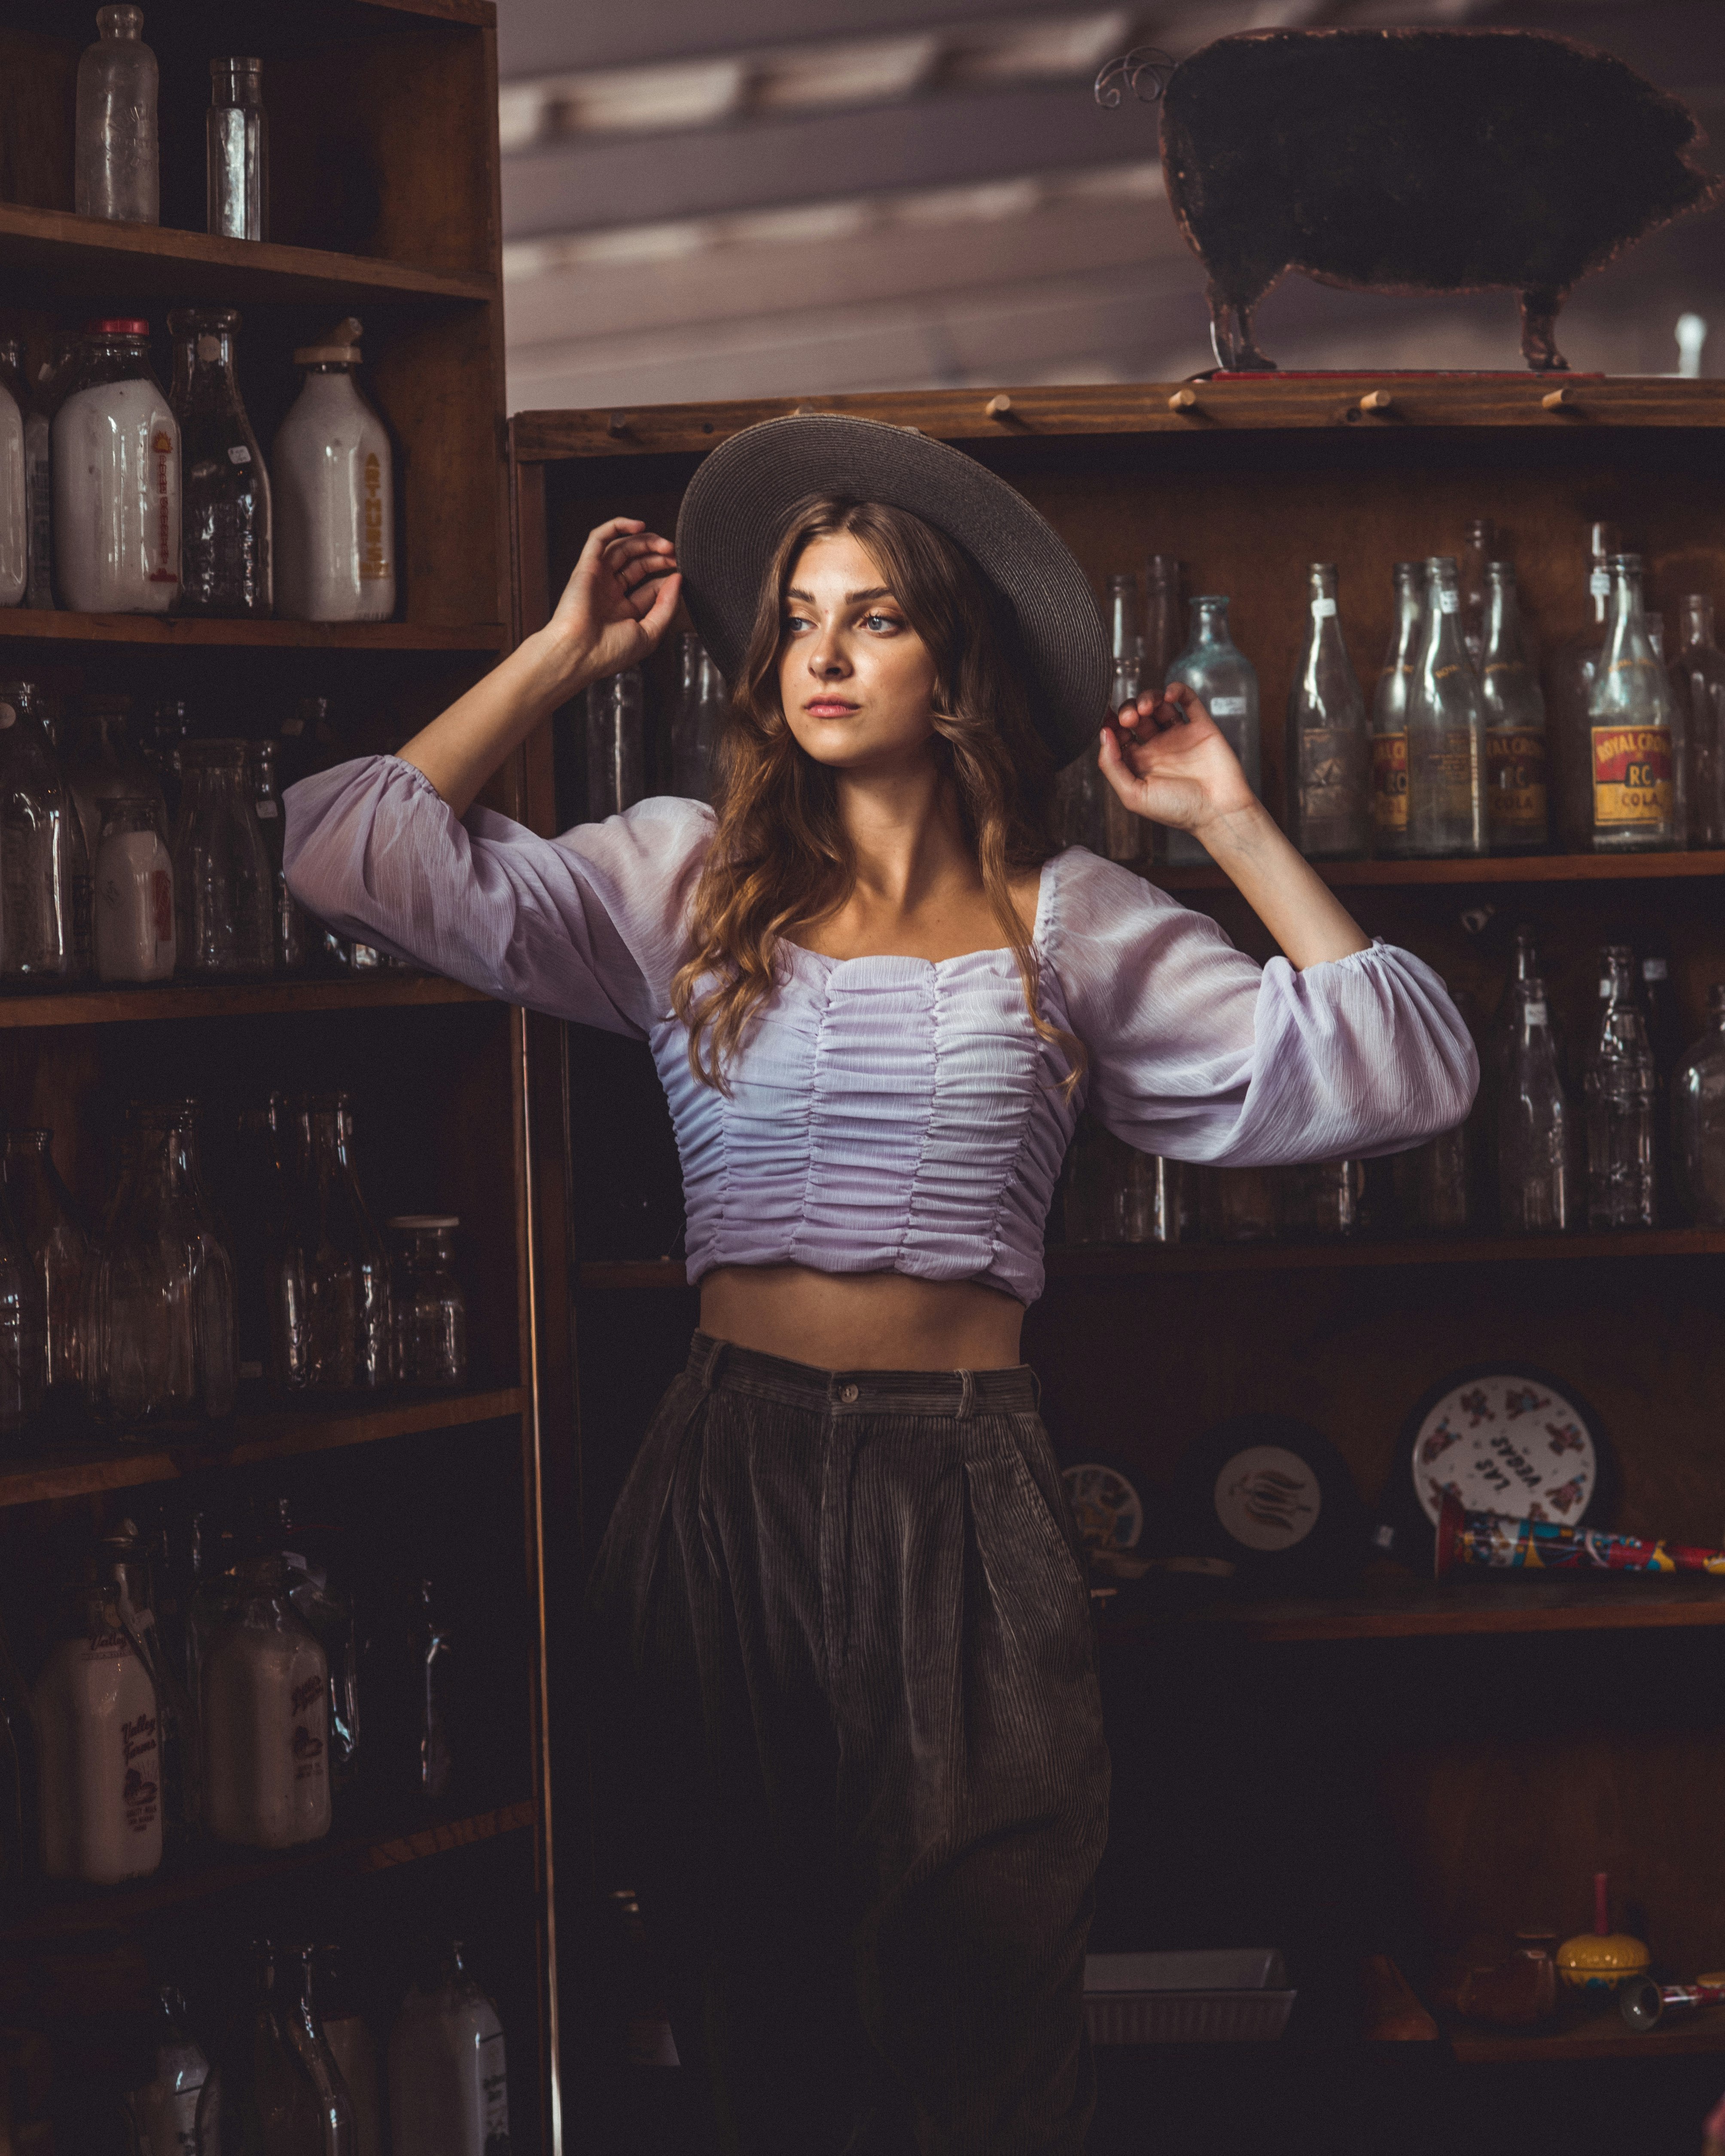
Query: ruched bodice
x=893 y=1114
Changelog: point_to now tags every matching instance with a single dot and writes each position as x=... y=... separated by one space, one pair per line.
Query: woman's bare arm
x=618 y=604
x=1166 y=759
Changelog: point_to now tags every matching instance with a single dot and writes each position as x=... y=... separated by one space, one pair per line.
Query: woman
x=865 y=1748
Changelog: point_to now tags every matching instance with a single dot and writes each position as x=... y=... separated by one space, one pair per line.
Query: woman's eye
x=881 y=621
x=792 y=623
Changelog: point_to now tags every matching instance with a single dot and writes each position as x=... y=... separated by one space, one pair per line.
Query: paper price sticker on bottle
x=1632 y=775
x=1449 y=601
x=1324 y=609
x=1598 y=584
x=1536 y=1014
x=1228 y=707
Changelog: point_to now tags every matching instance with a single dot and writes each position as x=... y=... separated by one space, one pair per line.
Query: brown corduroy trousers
x=845 y=1615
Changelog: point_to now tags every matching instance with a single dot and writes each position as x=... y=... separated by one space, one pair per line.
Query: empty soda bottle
x=1328 y=742
x=1619 y=1084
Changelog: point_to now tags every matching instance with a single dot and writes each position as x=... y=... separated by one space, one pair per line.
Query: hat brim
x=735 y=510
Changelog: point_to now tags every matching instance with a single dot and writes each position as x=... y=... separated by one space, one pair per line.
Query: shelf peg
x=1376 y=400
x=617 y=425
x=1183 y=400
x=1555 y=400
x=999 y=405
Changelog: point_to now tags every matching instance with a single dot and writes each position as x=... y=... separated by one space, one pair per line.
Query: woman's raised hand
x=620 y=600
x=1166 y=759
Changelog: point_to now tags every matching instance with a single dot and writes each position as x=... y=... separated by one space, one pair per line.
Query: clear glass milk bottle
x=99 y=1749
x=330 y=1321
x=59 y=1251
x=224 y=513
x=224 y=895
x=448 y=2079
x=115 y=162
x=335 y=494
x=1633 y=736
x=163 y=2115
x=354 y=2047
x=265 y=1683
x=116 y=479
x=44 y=892
x=1225 y=681
x=135 y=934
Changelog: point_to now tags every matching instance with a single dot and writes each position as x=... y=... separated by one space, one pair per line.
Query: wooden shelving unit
x=1600 y=2036
x=1513 y=1736
x=208 y=1872
x=384 y=204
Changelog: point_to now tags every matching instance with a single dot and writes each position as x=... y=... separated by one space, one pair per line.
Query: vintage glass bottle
x=449 y=2081
x=24 y=1352
x=116 y=478
x=38 y=475
x=1122 y=832
x=354 y=2048
x=615 y=718
x=280 y=2090
x=324 y=1604
x=1474 y=584
x=1697 y=676
x=1698 y=1122
x=15 y=412
x=159 y=1309
x=237 y=152
x=58 y=1249
x=260 y=1207
x=1165 y=620
x=115 y=162
x=1328 y=744
x=99 y=1745
x=162 y=738
x=334 y=493
x=1445 y=729
x=701 y=705
x=1389 y=715
x=1517 y=818
x=135 y=936
x=1634 y=738
x=224 y=896
x=1240 y=1204
x=1325 y=1198
x=428 y=1309
x=1574 y=665
x=225 y=515
x=1433 y=1183
x=330 y=1323
x=1219 y=673
x=1618 y=1082
x=265 y=1715
x=293 y=933
x=43 y=873
x=1536 y=1141
x=163 y=2115
x=100 y=765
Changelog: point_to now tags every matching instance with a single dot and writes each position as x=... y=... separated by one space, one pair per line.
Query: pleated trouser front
x=846 y=1632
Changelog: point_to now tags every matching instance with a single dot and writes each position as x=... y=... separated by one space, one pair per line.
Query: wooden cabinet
x=1403 y=1769
x=384 y=205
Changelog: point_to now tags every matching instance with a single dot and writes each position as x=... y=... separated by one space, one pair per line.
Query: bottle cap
x=341 y=350
x=117 y=325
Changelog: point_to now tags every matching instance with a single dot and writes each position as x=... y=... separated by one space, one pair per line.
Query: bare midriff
x=862 y=1321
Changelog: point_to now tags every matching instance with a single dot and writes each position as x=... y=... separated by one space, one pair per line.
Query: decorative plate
x=1108 y=1510
x=1510 y=1440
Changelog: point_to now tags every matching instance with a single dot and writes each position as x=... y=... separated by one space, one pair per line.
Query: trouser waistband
x=718 y=1363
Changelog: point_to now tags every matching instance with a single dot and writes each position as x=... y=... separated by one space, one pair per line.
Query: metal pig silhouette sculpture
x=1413 y=161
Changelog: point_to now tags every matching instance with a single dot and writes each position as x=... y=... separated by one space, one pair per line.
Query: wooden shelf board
x=272 y=1433
x=1105 y=1260
x=1117 y=1260
x=90 y=254
x=180 y=999
x=1508 y=868
x=963 y=415
x=213 y=1870
x=1600 y=2036
x=1399 y=1605
x=34 y=624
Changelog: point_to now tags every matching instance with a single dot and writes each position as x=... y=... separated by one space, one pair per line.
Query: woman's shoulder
x=1083 y=894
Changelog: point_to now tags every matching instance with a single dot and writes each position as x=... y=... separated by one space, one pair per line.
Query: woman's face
x=856 y=680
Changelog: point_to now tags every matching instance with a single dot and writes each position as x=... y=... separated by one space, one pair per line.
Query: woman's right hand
x=618 y=603
x=1168 y=759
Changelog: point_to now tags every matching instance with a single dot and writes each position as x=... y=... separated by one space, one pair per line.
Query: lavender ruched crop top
x=895 y=1114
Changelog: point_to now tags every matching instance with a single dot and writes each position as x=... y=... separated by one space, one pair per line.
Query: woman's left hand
x=1168 y=759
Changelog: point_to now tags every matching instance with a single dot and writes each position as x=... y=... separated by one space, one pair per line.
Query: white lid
x=342 y=348
x=416 y=1221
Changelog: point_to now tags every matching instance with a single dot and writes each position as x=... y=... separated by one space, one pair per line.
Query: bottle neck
x=1503 y=623
x=1210 y=622
x=1442 y=644
x=1697 y=624
x=1617 y=981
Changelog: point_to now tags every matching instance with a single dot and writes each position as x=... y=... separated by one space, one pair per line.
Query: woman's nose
x=826 y=660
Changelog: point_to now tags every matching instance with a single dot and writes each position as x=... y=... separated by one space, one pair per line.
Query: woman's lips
x=827 y=707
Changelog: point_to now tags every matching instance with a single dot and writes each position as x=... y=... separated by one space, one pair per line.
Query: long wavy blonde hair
x=780 y=858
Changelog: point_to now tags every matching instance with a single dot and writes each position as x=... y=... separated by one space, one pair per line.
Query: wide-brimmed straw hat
x=737 y=503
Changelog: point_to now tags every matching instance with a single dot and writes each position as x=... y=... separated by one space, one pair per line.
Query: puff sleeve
x=587 y=927
x=1198 y=1054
